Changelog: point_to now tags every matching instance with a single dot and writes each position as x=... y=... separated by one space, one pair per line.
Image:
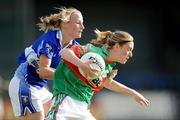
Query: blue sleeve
x=45 y=45
x=46 y=48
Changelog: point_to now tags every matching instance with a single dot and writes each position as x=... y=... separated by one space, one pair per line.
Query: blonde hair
x=54 y=20
x=109 y=38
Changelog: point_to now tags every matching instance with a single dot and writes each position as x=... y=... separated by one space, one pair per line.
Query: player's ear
x=116 y=46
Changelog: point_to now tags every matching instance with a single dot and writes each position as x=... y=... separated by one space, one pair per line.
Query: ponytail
x=108 y=38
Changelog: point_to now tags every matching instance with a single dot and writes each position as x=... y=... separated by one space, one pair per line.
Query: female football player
x=72 y=92
x=38 y=62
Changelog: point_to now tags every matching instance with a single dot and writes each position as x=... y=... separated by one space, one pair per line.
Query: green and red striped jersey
x=68 y=80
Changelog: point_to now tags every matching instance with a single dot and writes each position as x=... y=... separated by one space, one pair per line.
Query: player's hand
x=141 y=99
x=112 y=74
x=87 y=69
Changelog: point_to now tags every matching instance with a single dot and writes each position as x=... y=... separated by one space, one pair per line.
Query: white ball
x=98 y=64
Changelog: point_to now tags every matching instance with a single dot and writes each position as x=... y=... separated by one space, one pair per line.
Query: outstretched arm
x=120 y=88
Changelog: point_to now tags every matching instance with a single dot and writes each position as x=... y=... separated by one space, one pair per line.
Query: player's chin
x=123 y=62
x=78 y=36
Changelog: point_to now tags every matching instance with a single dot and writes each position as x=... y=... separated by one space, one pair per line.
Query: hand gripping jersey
x=49 y=44
x=68 y=79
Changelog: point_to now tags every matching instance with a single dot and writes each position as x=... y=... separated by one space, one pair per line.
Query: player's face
x=122 y=53
x=75 y=27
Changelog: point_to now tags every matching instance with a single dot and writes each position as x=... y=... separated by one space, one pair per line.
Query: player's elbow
x=63 y=52
x=42 y=74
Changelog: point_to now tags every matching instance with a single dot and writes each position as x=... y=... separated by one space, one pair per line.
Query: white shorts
x=26 y=97
x=66 y=108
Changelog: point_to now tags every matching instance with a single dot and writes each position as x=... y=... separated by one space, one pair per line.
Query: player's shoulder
x=92 y=47
x=50 y=36
x=89 y=45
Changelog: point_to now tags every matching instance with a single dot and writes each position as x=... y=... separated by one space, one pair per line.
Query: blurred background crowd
x=154 y=69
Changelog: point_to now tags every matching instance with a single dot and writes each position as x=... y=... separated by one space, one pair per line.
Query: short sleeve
x=46 y=49
x=78 y=50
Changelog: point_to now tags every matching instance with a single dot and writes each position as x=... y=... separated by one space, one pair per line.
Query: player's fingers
x=112 y=74
x=144 y=102
x=115 y=70
x=95 y=70
x=147 y=102
x=90 y=62
x=92 y=69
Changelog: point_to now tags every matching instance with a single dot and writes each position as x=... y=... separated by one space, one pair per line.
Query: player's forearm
x=118 y=87
x=44 y=70
x=69 y=55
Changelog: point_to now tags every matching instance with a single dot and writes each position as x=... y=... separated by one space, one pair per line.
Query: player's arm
x=70 y=55
x=45 y=71
x=118 y=87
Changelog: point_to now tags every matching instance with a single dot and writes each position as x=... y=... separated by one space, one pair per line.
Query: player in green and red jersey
x=72 y=92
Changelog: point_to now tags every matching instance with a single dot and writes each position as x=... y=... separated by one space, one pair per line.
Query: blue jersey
x=49 y=44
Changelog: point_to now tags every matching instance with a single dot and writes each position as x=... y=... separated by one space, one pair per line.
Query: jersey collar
x=105 y=51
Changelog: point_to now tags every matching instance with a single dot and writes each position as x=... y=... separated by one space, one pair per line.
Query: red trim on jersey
x=108 y=61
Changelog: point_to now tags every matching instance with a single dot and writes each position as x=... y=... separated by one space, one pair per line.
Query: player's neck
x=65 y=41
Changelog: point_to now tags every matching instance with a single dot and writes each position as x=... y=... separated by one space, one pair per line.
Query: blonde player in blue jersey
x=72 y=92
x=38 y=62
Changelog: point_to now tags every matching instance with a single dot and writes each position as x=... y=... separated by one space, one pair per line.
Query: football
x=98 y=64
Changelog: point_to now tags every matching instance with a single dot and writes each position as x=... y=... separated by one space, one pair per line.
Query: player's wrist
x=80 y=63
